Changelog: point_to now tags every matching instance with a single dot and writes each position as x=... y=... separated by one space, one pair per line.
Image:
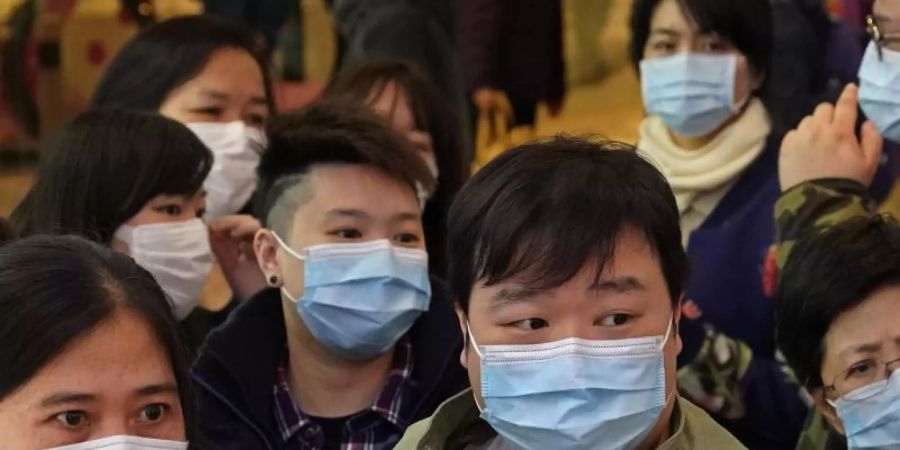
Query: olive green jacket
x=456 y=425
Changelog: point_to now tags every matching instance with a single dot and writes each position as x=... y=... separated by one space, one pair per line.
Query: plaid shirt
x=379 y=427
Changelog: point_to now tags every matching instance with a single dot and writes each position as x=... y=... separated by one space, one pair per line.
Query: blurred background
x=52 y=53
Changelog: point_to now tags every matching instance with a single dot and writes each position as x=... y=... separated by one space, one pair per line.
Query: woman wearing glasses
x=879 y=75
x=837 y=325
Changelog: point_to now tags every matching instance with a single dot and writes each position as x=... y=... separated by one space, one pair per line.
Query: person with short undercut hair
x=353 y=341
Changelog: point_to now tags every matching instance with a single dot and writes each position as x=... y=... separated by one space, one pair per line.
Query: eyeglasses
x=875 y=33
x=864 y=380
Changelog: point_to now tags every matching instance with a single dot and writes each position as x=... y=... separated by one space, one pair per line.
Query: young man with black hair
x=353 y=342
x=567 y=268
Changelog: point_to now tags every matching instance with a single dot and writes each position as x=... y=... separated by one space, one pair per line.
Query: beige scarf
x=713 y=168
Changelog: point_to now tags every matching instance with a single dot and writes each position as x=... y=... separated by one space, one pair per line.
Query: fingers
x=845 y=112
x=824 y=114
x=871 y=143
x=241 y=226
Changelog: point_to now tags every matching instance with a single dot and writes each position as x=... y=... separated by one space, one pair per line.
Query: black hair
x=746 y=24
x=544 y=210
x=54 y=290
x=432 y=115
x=827 y=275
x=331 y=131
x=101 y=169
x=166 y=55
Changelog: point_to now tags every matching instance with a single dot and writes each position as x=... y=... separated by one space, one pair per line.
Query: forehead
x=634 y=266
x=232 y=71
x=357 y=186
x=670 y=15
x=120 y=355
x=873 y=321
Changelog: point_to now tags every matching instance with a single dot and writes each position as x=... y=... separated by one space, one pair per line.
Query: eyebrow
x=512 y=296
x=351 y=213
x=622 y=285
x=880 y=18
x=65 y=398
x=407 y=217
x=216 y=95
x=156 y=389
x=259 y=101
x=667 y=31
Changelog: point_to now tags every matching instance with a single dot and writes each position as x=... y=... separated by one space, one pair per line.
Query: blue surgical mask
x=879 y=90
x=360 y=299
x=575 y=393
x=693 y=93
x=873 y=423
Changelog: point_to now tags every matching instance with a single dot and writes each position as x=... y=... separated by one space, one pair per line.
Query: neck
x=325 y=385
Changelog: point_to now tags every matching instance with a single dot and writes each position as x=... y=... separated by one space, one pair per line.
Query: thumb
x=871 y=143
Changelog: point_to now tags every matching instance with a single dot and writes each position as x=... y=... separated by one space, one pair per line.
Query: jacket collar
x=458 y=418
x=240 y=358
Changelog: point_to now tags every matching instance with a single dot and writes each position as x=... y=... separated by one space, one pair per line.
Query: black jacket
x=235 y=373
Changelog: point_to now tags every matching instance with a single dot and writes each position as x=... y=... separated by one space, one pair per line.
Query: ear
x=464 y=328
x=827 y=411
x=265 y=246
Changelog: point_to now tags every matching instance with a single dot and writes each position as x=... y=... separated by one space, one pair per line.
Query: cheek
x=744 y=82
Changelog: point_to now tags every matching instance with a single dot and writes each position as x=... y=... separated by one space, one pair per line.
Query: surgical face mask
x=177 y=254
x=232 y=180
x=879 y=90
x=360 y=299
x=574 y=393
x=873 y=423
x=126 y=443
x=693 y=93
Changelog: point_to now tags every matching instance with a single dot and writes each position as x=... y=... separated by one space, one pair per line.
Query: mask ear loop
x=293 y=253
x=471 y=336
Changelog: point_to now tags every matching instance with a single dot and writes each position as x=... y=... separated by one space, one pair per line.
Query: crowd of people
x=725 y=283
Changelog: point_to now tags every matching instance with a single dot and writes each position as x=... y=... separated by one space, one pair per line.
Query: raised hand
x=825 y=145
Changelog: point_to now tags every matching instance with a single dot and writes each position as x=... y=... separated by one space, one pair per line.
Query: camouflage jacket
x=815 y=206
x=804 y=210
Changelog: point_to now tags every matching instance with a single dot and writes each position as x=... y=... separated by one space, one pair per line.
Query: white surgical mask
x=232 y=180
x=178 y=255
x=126 y=443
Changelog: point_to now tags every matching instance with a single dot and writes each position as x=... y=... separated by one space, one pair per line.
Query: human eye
x=72 y=419
x=347 y=233
x=407 y=239
x=169 y=209
x=531 y=324
x=615 y=320
x=153 y=413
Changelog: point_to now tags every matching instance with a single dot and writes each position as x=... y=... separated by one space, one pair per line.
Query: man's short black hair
x=746 y=24
x=827 y=275
x=544 y=210
x=323 y=133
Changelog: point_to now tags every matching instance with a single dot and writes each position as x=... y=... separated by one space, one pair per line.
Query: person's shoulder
x=702 y=432
x=414 y=435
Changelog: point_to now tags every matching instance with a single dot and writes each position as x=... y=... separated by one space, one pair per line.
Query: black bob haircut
x=432 y=115
x=166 y=55
x=545 y=210
x=100 y=170
x=746 y=24
x=55 y=290
x=827 y=275
x=328 y=132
